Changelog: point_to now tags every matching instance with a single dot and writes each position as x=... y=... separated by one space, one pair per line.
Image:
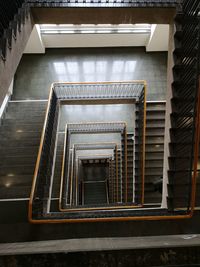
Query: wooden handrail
x=39 y=156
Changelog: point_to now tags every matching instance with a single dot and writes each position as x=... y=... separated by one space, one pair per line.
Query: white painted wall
x=156 y=41
x=94 y=40
x=159 y=39
x=167 y=118
x=35 y=43
x=10 y=89
x=6 y=99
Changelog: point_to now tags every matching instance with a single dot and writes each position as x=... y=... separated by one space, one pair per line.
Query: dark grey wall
x=36 y=72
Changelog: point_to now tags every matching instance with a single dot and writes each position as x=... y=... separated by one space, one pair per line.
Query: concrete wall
x=8 y=68
x=94 y=40
x=159 y=39
x=36 y=72
x=156 y=40
x=74 y=16
x=35 y=42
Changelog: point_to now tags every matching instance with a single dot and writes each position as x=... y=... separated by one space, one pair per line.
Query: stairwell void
x=96 y=179
x=103 y=158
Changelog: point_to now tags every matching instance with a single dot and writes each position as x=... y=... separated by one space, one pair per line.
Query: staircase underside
x=102 y=15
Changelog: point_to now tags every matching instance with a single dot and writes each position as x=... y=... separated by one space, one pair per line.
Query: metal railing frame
x=47 y=220
x=102 y=146
x=188 y=215
x=67 y=136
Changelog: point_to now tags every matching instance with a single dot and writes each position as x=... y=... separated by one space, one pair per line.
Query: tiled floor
x=36 y=72
x=98 y=113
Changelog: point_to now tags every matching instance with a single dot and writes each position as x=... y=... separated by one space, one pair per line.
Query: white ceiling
x=153 y=37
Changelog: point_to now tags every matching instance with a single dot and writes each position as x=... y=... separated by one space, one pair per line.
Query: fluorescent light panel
x=92 y=28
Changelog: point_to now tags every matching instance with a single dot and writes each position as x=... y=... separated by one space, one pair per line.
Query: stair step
x=20 y=121
x=14 y=192
x=95 y=193
x=19 y=135
x=153 y=163
x=16 y=160
x=29 y=104
x=149 y=178
x=178 y=202
x=152 y=140
x=152 y=171
x=20 y=143
x=153 y=106
x=151 y=132
x=153 y=124
x=19 y=151
x=152 y=156
x=151 y=148
x=17 y=170
x=16 y=180
x=24 y=127
x=180 y=191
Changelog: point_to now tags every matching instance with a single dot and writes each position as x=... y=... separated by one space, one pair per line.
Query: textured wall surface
x=170 y=257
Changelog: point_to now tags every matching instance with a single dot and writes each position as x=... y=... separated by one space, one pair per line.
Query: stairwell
x=154 y=151
x=20 y=133
x=184 y=104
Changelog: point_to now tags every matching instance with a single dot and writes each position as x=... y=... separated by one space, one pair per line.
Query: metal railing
x=99 y=91
x=105 y=159
x=141 y=135
x=43 y=169
x=120 y=214
x=113 y=163
x=92 y=128
x=113 y=181
x=185 y=104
